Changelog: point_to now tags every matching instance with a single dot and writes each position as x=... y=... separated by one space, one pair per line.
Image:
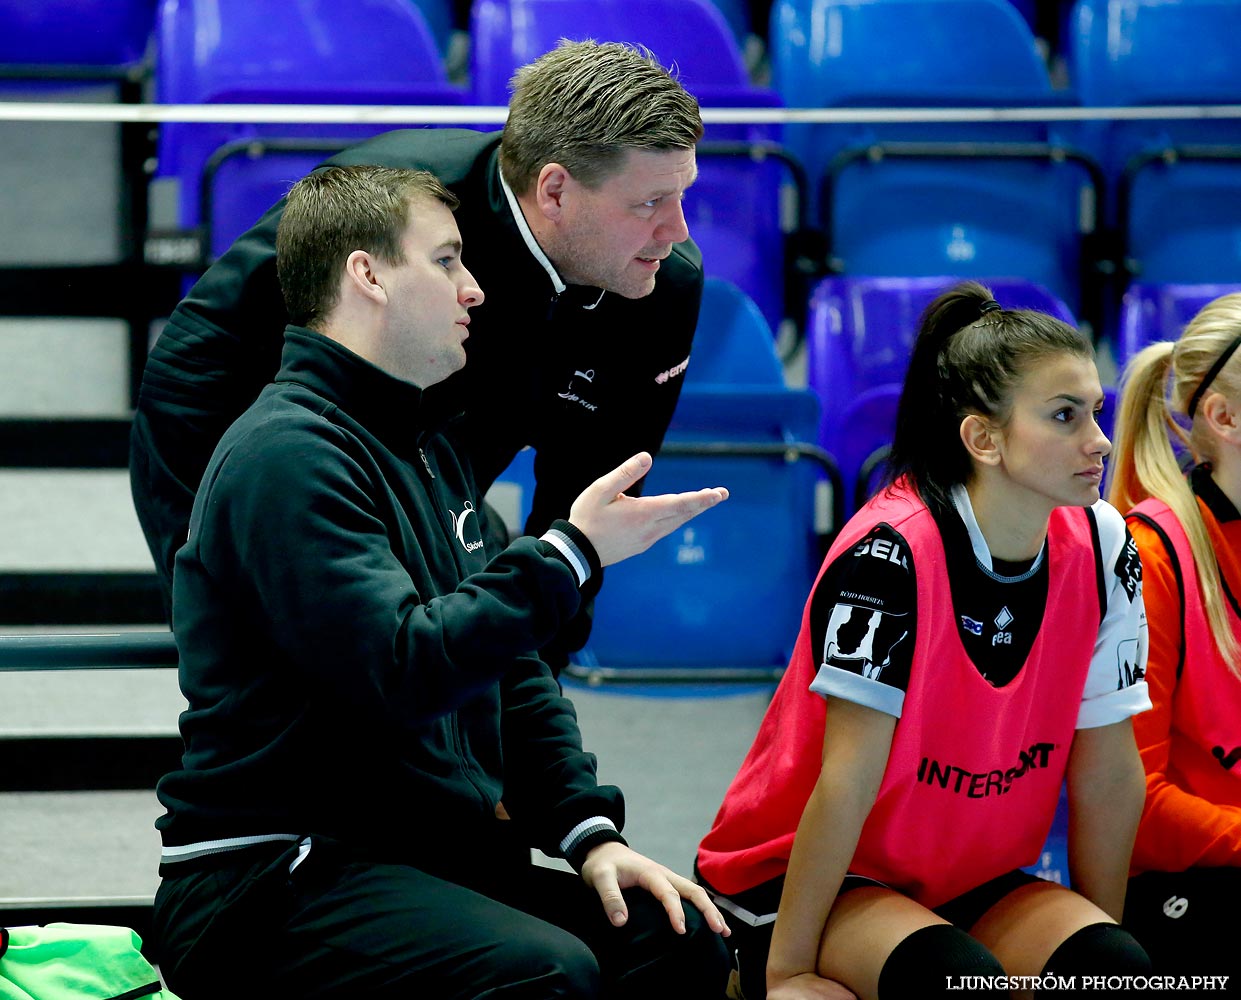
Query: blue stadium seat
x=734 y=211
x=927 y=199
x=1150 y=52
x=859 y=336
x=721 y=598
x=1175 y=180
x=1053 y=862
x=440 y=20
x=1027 y=9
x=506 y=34
x=842 y=53
x=737 y=14
x=902 y=53
x=732 y=344
x=1150 y=313
x=268 y=51
x=84 y=38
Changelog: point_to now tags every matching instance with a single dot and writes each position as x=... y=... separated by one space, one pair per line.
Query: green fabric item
x=75 y=962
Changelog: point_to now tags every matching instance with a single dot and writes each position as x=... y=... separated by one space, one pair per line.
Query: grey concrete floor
x=672 y=754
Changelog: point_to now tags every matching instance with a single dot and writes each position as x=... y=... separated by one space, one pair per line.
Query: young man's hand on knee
x=612 y=867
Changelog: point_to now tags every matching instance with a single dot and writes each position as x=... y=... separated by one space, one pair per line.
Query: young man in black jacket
x=574 y=222
x=369 y=731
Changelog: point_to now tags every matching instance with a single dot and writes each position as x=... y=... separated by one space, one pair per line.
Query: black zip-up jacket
x=526 y=349
x=355 y=661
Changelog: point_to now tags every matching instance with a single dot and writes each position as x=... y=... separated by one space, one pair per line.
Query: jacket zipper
x=467 y=764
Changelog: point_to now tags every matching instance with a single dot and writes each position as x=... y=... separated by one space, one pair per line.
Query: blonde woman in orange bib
x=1187 y=858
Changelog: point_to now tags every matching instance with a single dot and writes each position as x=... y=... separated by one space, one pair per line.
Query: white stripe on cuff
x=186 y=851
x=583 y=828
x=570 y=552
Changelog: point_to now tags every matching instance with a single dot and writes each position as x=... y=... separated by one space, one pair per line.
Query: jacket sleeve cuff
x=587 y=834
x=573 y=549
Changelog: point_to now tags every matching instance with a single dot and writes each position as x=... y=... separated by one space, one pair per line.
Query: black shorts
x=752 y=916
x=1182 y=920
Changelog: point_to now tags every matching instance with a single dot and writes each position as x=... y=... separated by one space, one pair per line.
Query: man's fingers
x=670 y=899
x=658 y=516
x=695 y=503
x=677 y=508
x=622 y=477
x=612 y=899
x=694 y=893
x=620 y=526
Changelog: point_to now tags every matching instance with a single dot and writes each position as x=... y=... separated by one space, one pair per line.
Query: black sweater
x=355 y=661
x=222 y=345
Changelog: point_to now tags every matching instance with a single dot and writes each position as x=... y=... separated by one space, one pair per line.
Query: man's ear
x=1223 y=417
x=549 y=189
x=361 y=277
x=981 y=439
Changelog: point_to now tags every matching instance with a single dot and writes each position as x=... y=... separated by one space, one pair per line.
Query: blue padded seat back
x=1152 y=312
x=269 y=51
x=733 y=343
x=100 y=33
x=506 y=34
x=1181 y=216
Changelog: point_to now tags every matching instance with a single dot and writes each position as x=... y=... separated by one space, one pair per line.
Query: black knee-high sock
x=932 y=962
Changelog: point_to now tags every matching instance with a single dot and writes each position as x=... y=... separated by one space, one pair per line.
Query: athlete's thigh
x=862 y=930
x=1026 y=926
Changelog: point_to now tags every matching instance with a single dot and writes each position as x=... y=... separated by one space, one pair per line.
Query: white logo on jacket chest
x=461 y=522
x=573 y=394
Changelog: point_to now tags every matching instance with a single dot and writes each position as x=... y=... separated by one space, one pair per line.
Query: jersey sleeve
x=862 y=623
x=1116 y=683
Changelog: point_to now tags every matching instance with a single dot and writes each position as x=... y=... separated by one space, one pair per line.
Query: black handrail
x=861 y=487
x=254 y=147
x=87 y=652
x=1168 y=156
x=758 y=152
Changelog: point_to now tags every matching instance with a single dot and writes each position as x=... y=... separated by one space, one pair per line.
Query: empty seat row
x=1025 y=199
x=1063 y=206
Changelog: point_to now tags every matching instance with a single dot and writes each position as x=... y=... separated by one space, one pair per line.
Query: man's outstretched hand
x=620 y=526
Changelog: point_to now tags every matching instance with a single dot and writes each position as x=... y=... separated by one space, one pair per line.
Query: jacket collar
x=1206 y=489
x=523 y=227
x=386 y=406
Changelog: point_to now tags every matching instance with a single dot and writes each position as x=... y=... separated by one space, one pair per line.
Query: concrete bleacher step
x=71 y=549
x=80 y=752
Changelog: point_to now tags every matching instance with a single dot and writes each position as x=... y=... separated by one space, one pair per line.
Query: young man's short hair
x=334 y=211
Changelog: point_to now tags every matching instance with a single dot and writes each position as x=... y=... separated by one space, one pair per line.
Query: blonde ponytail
x=1158 y=382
